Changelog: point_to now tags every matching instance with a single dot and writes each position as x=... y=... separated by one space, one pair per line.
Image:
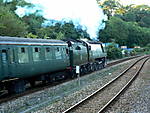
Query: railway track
x=7 y=97
x=100 y=100
x=121 y=60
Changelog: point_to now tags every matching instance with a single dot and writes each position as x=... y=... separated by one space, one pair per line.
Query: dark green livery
x=90 y=56
x=24 y=60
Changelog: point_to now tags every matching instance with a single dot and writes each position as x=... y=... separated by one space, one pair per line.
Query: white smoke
x=85 y=12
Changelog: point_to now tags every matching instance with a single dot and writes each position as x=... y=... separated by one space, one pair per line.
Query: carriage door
x=4 y=62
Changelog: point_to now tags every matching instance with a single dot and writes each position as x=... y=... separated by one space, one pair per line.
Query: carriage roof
x=29 y=41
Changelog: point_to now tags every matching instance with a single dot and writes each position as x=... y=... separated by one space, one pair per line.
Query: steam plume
x=87 y=13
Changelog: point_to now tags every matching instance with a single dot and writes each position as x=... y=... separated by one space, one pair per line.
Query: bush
x=125 y=53
x=137 y=51
x=147 y=49
x=133 y=52
x=113 y=52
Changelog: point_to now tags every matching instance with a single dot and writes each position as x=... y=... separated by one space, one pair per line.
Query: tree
x=11 y=24
x=127 y=25
x=12 y=4
x=139 y=14
x=47 y=32
x=116 y=30
x=30 y=35
x=135 y=35
x=34 y=21
x=69 y=30
x=110 y=7
x=62 y=30
x=124 y=33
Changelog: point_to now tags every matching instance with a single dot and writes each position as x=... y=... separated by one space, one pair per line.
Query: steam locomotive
x=25 y=60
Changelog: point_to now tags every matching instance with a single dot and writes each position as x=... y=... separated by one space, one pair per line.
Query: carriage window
x=4 y=56
x=48 y=53
x=102 y=48
x=22 y=50
x=12 y=59
x=23 y=55
x=47 y=49
x=36 y=54
x=58 y=53
x=36 y=49
x=57 y=49
x=78 y=48
x=67 y=51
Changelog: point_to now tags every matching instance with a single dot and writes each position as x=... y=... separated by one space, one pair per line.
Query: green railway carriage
x=24 y=58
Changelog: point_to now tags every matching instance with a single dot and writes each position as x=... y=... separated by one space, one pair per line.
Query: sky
x=86 y=13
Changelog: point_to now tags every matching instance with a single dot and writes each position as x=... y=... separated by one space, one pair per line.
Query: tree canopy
x=126 y=25
x=11 y=25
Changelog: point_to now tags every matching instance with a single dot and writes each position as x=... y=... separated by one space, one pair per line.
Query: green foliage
x=139 y=14
x=60 y=36
x=133 y=53
x=50 y=32
x=148 y=45
x=12 y=5
x=127 y=25
x=125 y=33
x=147 y=49
x=137 y=51
x=126 y=53
x=30 y=35
x=62 y=31
x=113 y=52
x=11 y=24
x=110 y=7
x=34 y=21
x=115 y=29
x=69 y=30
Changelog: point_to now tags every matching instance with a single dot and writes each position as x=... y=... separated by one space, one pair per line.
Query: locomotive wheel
x=90 y=68
x=82 y=70
x=96 y=67
x=85 y=70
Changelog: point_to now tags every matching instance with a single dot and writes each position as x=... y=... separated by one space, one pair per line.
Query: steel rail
x=123 y=89
x=102 y=88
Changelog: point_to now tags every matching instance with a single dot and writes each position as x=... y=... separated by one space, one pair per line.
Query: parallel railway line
x=100 y=100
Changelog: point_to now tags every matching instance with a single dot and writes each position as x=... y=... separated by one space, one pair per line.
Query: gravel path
x=137 y=98
x=58 y=98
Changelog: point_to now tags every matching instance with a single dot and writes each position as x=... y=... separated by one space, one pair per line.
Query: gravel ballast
x=137 y=98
